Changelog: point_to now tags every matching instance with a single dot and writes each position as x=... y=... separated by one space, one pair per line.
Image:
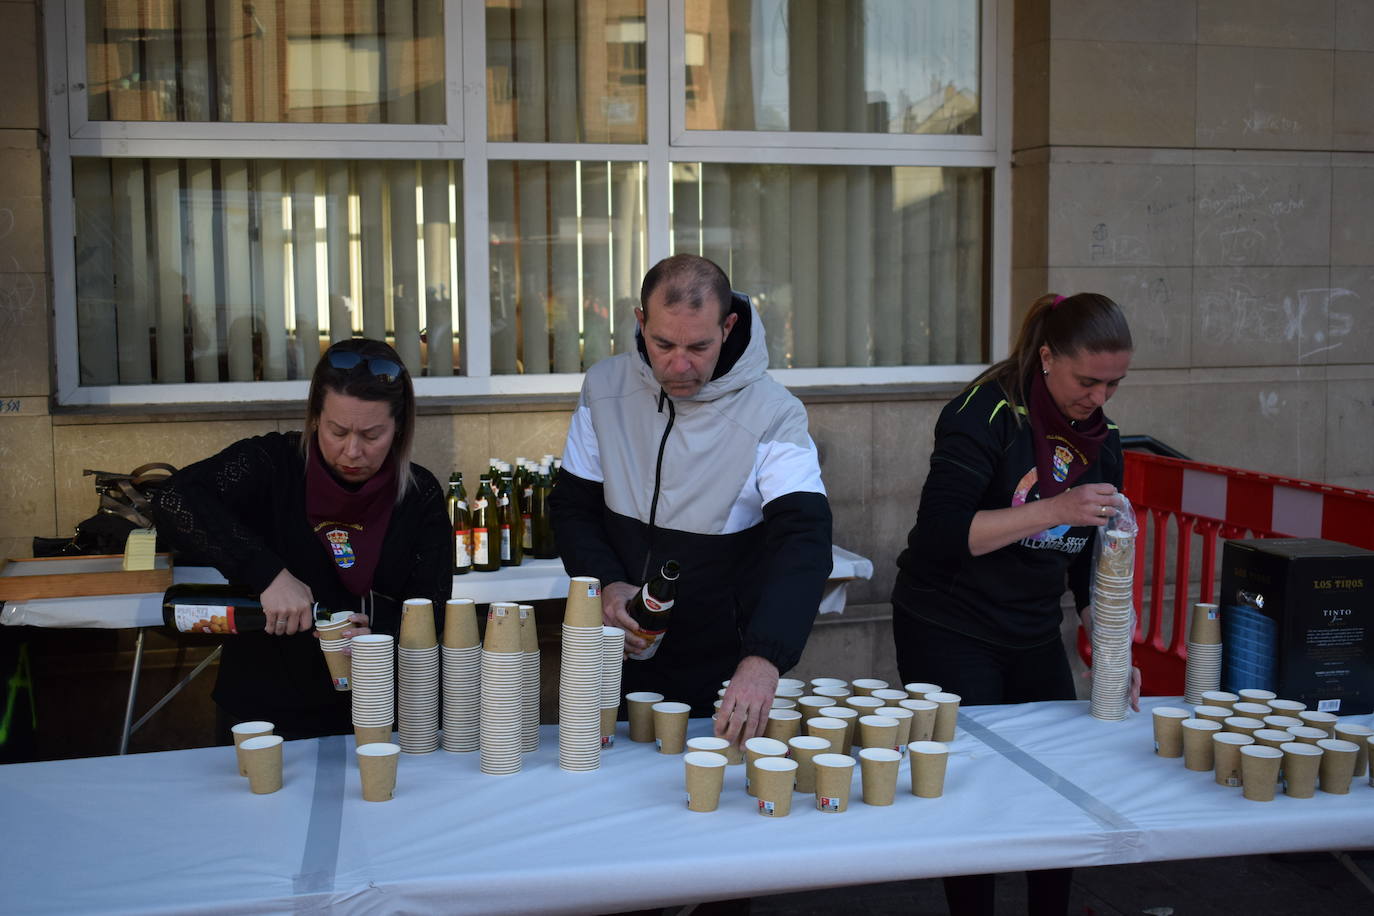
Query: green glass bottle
x=542 y=543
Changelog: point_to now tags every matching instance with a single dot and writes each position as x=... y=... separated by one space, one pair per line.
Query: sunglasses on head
x=388 y=370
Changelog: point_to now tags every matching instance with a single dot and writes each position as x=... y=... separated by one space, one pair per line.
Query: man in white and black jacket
x=687 y=450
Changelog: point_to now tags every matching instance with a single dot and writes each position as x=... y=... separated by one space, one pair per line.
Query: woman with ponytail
x=1024 y=471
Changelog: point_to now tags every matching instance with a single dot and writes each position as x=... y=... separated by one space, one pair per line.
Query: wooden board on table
x=25 y=579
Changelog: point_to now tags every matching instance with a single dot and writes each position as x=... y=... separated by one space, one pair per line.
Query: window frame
x=463 y=139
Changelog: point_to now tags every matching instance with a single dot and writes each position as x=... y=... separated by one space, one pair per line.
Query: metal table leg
x=133 y=694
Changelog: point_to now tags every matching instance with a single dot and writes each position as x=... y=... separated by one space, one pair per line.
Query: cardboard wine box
x=1298 y=619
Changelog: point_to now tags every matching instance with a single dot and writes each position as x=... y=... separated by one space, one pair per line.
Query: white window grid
x=463 y=140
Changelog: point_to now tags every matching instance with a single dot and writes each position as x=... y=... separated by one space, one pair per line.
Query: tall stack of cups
x=374 y=687
x=529 y=683
x=333 y=643
x=1112 y=624
x=502 y=685
x=612 y=658
x=417 y=713
x=1203 y=671
x=462 y=677
x=579 y=678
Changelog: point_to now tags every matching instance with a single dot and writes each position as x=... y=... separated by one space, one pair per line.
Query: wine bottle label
x=461 y=554
x=654 y=637
x=652 y=603
x=462 y=504
x=527 y=535
x=205 y=618
x=479 y=547
x=505 y=542
x=479 y=503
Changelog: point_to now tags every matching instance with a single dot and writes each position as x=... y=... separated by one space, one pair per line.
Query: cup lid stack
x=502 y=688
x=1203 y=669
x=529 y=682
x=579 y=678
x=1113 y=627
x=374 y=681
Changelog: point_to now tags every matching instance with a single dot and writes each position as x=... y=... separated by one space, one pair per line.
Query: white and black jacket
x=726 y=482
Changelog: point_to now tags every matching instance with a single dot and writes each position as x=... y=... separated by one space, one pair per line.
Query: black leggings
x=983 y=674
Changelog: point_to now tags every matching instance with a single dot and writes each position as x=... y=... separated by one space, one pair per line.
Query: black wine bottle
x=651 y=607
x=223 y=610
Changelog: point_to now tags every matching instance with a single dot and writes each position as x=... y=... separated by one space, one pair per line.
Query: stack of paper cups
x=1112 y=625
x=1204 y=653
x=462 y=676
x=529 y=685
x=502 y=685
x=417 y=713
x=333 y=643
x=612 y=657
x=374 y=687
x=579 y=678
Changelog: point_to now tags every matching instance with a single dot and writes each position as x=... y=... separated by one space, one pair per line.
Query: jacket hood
x=743 y=356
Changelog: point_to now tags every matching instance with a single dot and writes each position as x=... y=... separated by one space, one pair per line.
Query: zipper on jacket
x=658 y=477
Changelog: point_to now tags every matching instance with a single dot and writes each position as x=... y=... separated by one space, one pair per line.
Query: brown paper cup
x=904 y=719
x=1307 y=734
x=529 y=631
x=865 y=686
x=877 y=731
x=584 y=602
x=1286 y=707
x=1253 y=710
x=783 y=724
x=1206 y=625
x=878 y=772
x=828 y=682
x=773 y=781
x=377 y=770
x=1220 y=698
x=371 y=734
x=333 y=631
x=641 y=709
x=1283 y=722
x=262 y=757
x=850 y=718
x=1359 y=736
x=755 y=749
x=1226 y=757
x=946 y=716
x=917 y=690
x=922 y=718
x=811 y=706
x=835 y=693
x=242 y=732
x=417 y=624
x=1272 y=737
x=1168 y=722
x=731 y=752
x=460 y=624
x=834 y=774
x=802 y=749
x=1197 y=743
x=340 y=668
x=670 y=726
x=1338 y=765
x=832 y=730
x=1217 y=714
x=1301 y=763
x=1323 y=720
x=863 y=705
x=1259 y=768
x=705 y=777
x=1256 y=695
x=503 y=627
x=929 y=761
x=608 y=725
x=1242 y=725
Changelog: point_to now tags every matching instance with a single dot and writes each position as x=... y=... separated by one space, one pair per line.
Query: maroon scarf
x=350 y=523
x=1063 y=449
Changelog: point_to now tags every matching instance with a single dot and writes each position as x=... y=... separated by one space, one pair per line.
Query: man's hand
x=614 y=597
x=289 y=605
x=744 y=709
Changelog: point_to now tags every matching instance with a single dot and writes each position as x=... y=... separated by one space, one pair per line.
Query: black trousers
x=983 y=674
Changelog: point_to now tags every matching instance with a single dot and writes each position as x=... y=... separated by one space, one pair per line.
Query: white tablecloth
x=1029 y=787
x=533 y=580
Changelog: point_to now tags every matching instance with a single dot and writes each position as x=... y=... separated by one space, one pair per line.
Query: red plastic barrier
x=1207 y=502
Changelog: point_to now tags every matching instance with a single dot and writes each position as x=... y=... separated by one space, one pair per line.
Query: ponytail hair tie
x=1055 y=303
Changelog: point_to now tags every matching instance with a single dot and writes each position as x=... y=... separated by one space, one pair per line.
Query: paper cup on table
x=1337 y=767
x=1359 y=736
x=830 y=730
x=460 y=624
x=773 y=781
x=811 y=706
x=782 y=703
x=242 y=732
x=922 y=718
x=1259 y=768
x=828 y=682
x=641 y=710
x=262 y=757
x=863 y=705
x=377 y=770
x=584 y=602
x=417 y=624
x=708 y=743
x=904 y=719
x=1253 y=710
x=918 y=690
x=1217 y=714
x=835 y=693
x=1272 y=737
x=850 y=718
x=802 y=749
x=1205 y=628
x=1307 y=734
x=1220 y=698
x=755 y=749
x=878 y=773
x=1256 y=695
x=670 y=726
x=705 y=772
x=1283 y=722
x=834 y=775
x=1301 y=763
x=1286 y=707
x=1242 y=725
x=371 y=734
x=929 y=761
x=890 y=696
x=1168 y=724
x=946 y=715
x=1323 y=720
x=865 y=686
x=1226 y=757
x=1197 y=743
x=788 y=693
x=783 y=724
x=878 y=731
x=790 y=684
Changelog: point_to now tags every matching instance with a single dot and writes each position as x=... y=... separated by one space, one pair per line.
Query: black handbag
x=125 y=504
